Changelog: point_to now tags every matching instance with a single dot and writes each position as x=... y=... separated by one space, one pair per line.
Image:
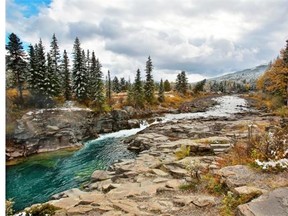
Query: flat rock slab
x=273 y=203
x=236 y=176
x=246 y=190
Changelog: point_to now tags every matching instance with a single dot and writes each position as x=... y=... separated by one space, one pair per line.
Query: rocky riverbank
x=68 y=127
x=48 y=130
x=154 y=183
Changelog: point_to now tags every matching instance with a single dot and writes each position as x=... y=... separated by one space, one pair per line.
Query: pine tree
x=149 y=84
x=116 y=87
x=167 y=86
x=16 y=63
x=67 y=90
x=41 y=69
x=123 y=85
x=138 y=95
x=199 y=86
x=49 y=91
x=109 y=87
x=161 y=97
x=55 y=65
x=32 y=69
x=79 y=75
x=97 y=82
x=182 y=83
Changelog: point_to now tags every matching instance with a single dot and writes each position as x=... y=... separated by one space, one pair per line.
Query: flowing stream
x=39 y=177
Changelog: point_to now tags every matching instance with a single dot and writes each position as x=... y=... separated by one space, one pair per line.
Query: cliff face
x=53 y=129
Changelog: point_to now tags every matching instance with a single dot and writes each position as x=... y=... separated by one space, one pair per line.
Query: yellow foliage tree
x=275 y=79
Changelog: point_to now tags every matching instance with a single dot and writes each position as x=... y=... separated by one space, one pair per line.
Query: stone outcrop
x=53 y=129
x=272 y=203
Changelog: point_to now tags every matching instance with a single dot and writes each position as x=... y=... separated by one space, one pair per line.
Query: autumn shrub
x=42 y=210
x=282 y=111
x=9 y=207
x=182 y=152
x=213 y=184
x=231 y=201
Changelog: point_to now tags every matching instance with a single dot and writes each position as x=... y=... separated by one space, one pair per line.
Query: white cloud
x=202 y=37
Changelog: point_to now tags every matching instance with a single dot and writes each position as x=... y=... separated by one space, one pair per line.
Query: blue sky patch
x=31 y=7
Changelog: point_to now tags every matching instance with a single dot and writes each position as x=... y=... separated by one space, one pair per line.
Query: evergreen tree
x=182 y=83
x=109 y=87
x=161 y=97
x=67 y=90
x=79 y=75
x=55 y=64
x=138 y=96
x=123 y=85
x=199 y=86
x=97 y=82
x=51 y=80
x=116 y=85
x=32 y=69
x=16 y=63
x=41 y=70
x=149 y=84
x=167 y=86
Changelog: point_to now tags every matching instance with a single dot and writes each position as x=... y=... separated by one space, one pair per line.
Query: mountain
x=247 y=75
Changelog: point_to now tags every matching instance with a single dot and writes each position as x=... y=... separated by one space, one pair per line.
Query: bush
x=182 y=152
x=230 y=202
x=9 y=207
x=42 y=210
x=213 y=184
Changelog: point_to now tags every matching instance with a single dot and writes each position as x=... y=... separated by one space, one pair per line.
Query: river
x=39 y=177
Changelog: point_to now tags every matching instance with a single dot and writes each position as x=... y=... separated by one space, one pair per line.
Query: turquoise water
x=39 y=177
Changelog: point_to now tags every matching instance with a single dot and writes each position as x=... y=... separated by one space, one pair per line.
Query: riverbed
x=39 y=177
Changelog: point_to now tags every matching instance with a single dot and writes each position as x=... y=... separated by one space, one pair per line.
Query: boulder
x=246 y=190
x=100 y=175
x=236 y=176
x=273 y=203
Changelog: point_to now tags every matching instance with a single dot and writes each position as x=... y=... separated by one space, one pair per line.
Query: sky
x=205 y=38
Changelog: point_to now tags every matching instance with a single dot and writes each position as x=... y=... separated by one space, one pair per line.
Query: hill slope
x=249 y=75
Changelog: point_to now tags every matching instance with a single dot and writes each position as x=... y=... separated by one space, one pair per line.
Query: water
x=227 y=105
x=39 y=177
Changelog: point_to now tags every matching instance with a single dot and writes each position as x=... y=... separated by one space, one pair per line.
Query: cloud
x=202 y=37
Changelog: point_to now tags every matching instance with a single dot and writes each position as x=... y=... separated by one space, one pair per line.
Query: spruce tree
x=138 y=95
x=41 y=69
x=123 y=85
x=199 y=86
x=79 y=75
x=116 y=87
x=167 y=86
x=109 y=87
x=32 y=69
x=97 y=82
x=16 y=63
x=161 y=97
x=55 y=65
x=67 y=90
x=149 y=84
x=182 y=83
x=51 y=79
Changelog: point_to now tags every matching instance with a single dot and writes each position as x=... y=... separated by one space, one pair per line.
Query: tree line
x=49 y=74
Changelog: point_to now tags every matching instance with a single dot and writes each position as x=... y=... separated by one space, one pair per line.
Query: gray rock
x=100 y=175
x=273 y=203
x=236 y=176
